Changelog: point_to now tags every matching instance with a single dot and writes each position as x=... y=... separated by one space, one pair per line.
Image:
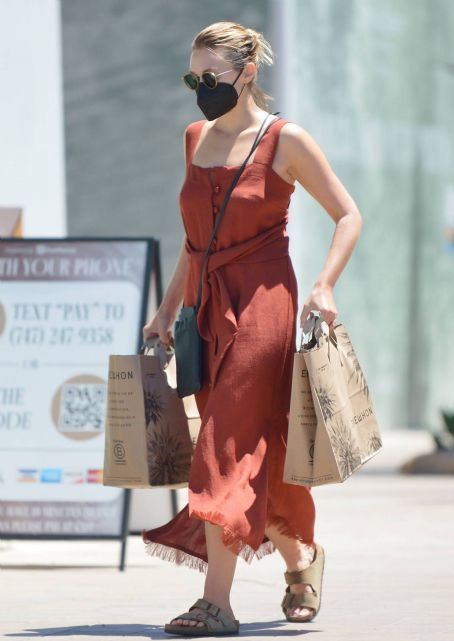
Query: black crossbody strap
x=220 y=215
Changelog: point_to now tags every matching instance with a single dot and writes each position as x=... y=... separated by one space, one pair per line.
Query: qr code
x=82 y=407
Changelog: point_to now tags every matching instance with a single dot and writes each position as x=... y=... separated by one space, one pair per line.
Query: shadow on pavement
x=262 y=629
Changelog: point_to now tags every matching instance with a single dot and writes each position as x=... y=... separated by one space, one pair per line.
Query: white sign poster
x=65 y=305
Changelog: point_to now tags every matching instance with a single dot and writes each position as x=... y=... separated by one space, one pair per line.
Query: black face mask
x=218 y=101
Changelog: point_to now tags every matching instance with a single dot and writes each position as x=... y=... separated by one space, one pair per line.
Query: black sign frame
x=152 y=268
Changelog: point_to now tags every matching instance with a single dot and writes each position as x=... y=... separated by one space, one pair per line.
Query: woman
x=238 y=504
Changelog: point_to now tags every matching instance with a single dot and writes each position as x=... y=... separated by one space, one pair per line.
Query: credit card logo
x=72 y=477
x=94 y=476
x=27 y=475
x=51 y=475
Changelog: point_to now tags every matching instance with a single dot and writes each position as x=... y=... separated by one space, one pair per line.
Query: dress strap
x=192 y=135
x=267 y=146
x=264 y=153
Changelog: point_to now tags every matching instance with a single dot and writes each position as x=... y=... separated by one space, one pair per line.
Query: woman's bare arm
x=308 y=165
x=163 y=320
x=173 y=296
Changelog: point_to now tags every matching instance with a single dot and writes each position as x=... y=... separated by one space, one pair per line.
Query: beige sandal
x=215 y=621
x=312 y=575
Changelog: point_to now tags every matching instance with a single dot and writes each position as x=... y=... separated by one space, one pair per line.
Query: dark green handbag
x=188 y=352
x=187 y=340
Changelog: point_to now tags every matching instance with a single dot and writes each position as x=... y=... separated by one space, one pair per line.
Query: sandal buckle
x=213 y=609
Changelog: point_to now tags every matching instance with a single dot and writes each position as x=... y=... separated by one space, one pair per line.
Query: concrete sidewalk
x=389 y=574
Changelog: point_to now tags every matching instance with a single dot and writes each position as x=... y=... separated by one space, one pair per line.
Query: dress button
x=217 y=189
x=215 y=210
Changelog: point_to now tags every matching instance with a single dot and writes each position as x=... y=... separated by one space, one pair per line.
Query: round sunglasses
x=209 y=78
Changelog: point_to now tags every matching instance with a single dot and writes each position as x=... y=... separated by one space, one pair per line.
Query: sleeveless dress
x=247 y=320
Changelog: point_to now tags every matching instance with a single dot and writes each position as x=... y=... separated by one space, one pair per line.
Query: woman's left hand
x=321 y=298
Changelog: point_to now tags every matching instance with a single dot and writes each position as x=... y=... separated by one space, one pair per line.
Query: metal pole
x=124 y=528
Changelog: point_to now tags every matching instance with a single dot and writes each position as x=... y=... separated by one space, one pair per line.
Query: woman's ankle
x=302 y=559
x=221 y=600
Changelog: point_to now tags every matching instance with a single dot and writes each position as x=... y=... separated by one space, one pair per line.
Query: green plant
x=444 y=439
x=448 y=418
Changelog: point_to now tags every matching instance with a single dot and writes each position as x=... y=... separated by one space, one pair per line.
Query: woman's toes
x=190 y=622
x=182 y=622
x=300 y=612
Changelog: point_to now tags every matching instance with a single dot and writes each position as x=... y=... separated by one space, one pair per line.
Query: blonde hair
x=239 y=46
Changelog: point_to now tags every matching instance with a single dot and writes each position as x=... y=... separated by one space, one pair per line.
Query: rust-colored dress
x=247 y=320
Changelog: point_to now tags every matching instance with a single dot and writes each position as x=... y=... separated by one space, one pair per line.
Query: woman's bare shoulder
x=295 y=137
x=195 y=124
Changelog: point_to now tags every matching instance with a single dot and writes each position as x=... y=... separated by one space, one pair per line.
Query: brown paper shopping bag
x=150 y=432
x=332 y=426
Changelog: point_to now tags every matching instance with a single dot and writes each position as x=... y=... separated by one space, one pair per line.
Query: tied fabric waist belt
x=216 y=318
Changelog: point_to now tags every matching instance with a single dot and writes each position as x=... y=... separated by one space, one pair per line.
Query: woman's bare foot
x=297 y=588
x=177 y=621
x=227 y=609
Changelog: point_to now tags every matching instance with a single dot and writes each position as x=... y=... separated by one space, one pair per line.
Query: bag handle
x=154 y=344
x=316 y=318
x=331 y=337
x=227 y=196
x=153 y=340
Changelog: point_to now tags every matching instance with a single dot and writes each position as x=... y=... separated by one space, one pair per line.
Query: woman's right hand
x=160 y=325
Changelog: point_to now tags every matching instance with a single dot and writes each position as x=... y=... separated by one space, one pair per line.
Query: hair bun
x=253 y=34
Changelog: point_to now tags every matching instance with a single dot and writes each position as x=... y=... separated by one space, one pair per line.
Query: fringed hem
x=284 y=528
x=247 y=553
x=182 y=556
x=232 y=541
x=174 y=555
